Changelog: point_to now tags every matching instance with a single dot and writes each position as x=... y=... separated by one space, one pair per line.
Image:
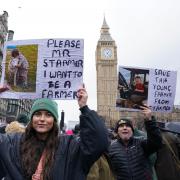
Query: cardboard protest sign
x=162 y=89
x=47 y=68
x=146 y=87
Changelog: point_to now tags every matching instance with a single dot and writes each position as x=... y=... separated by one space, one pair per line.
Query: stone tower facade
x=3 y=32
x=106 y=68
x=10 y=108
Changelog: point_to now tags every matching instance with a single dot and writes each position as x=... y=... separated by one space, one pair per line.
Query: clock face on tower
x=107 y=53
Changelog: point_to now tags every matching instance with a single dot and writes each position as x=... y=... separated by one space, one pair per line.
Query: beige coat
x=100 y=170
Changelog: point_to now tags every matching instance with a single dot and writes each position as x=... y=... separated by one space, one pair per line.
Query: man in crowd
x=129 y=155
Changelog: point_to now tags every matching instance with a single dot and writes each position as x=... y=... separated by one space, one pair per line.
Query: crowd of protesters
x=32 y=148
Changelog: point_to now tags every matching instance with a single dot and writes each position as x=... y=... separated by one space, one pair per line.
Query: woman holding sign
x=41 y=153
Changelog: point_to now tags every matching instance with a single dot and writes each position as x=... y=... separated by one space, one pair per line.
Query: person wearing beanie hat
x=23 y=119
x=129 y=153
x=124 y=129
x=124 y=121
x=45 y=104
x=41 y=152
x=43 y=116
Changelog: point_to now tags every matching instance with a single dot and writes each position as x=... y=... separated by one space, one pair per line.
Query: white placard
x=162 y=89
x=54 y=68
x=141 y=87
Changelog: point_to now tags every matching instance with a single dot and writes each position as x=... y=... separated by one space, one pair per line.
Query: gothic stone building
x=9 y=108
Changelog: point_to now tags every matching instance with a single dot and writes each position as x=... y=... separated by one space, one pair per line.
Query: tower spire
x=105 y=26
x=105 y=35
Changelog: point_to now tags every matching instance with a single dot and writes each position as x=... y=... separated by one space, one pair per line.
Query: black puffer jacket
x=73 y=157
x=131 y=162
x=2 y=172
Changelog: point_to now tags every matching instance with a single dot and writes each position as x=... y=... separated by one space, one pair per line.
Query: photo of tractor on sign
x=132 y=87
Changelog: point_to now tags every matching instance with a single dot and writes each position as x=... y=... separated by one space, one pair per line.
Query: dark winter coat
x=2 y=172
x=152 y=158
x=167 y=168
x=131 y=162
x=74 y=156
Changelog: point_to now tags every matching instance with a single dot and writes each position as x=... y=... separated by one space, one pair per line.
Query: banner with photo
x=139 y=87
x=45 y=68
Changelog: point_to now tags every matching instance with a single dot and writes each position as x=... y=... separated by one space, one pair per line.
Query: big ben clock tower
x=106 y=68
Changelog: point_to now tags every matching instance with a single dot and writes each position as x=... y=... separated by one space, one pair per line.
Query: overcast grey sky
x=147 y=33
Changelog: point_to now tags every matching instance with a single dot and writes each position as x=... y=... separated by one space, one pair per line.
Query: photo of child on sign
x=20 y=72
x=18 y=69
x=132 y=87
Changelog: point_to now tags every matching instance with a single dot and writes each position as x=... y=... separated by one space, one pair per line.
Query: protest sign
x=162 y=89
x=47 y=68
x=146 y=87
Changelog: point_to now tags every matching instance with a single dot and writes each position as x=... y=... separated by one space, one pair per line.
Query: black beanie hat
x=123 y=121
x=23 y=118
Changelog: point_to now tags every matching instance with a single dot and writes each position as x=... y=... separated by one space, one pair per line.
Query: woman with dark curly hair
x=42 y=154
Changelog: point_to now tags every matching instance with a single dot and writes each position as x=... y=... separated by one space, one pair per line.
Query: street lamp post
x=62 y=122
x=109 y=110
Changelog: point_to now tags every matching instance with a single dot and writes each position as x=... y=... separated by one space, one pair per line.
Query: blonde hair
x=14 y=127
